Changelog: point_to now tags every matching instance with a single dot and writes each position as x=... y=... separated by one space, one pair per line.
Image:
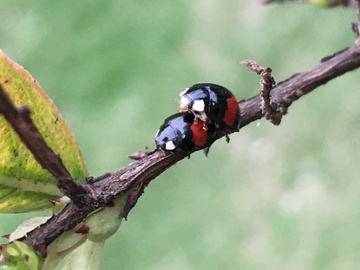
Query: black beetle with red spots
x=182 y=131
x=212 y=103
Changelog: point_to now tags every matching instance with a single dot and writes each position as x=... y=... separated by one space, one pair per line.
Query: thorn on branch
x=356 y=28
x=84 y=229
x=139 y=154
x=270 y=108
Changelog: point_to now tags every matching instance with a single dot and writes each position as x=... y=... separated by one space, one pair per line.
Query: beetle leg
x=227 y=137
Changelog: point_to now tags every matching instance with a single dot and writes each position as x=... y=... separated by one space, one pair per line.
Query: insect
x=183 y=131
x=212 y=104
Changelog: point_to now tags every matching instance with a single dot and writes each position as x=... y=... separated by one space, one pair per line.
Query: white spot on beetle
x=198 y=105
x=184 y=103
x=169 y=145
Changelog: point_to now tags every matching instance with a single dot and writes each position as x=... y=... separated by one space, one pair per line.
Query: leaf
x=320 y=3
x=20 y=256
x=62 y=246
x=85 y=257
x=27 y=226
x=24 y=184
x=86 y=247
x=98 y=229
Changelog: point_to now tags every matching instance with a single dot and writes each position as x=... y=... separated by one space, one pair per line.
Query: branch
x=329 y=3
x=19 y=119
x=298 y=85
x=267 y=82
x=133 y=179
x=137 y=175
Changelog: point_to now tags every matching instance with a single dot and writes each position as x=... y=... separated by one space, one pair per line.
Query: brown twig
x=20 y=120
x=332 y=3
x=298 y=85
x=268 y=107
x=131 y=179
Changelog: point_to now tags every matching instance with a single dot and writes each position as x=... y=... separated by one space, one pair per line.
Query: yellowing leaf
x=24 y=184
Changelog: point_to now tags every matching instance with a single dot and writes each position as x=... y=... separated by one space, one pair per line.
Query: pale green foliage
x=19 y=256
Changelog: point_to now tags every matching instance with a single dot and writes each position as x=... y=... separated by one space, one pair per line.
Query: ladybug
x=212 y=103
x=183 y=131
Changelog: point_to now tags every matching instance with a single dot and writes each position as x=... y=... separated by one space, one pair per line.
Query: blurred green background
x=282 y=197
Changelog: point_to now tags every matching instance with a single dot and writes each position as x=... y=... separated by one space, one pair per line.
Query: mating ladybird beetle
x=182 y=131
x=212 y=103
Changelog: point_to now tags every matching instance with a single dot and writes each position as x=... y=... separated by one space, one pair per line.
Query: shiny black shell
x=220 y=105
x=182 y=131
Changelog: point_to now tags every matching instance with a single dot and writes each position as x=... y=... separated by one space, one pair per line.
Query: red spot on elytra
x=198 y=129
x=231 y=112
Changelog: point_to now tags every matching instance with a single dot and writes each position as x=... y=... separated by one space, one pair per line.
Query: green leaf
x=99 y=230
x=24 y=184
x=20 y=256
x=27 y=226
x=62 y=246
x=85 y=249
x=85 y=257
x=320 y=3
